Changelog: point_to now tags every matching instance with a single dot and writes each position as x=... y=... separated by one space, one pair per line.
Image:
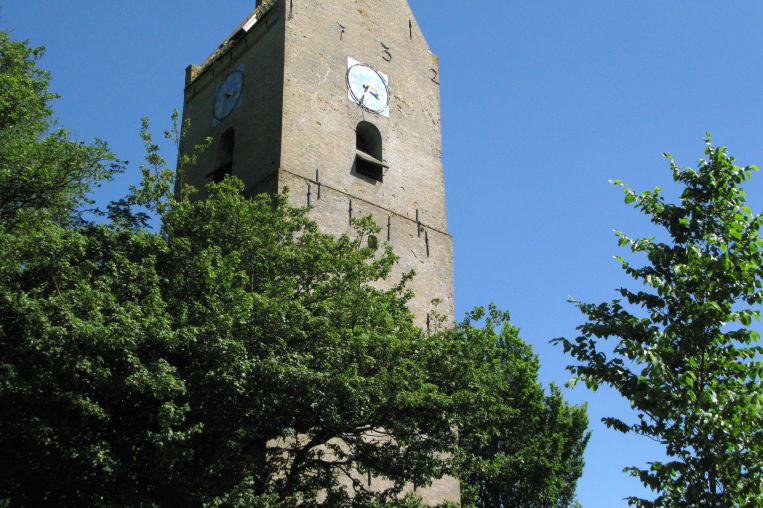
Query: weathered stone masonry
x=293 y=125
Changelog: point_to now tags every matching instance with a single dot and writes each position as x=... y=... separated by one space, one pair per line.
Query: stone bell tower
x=338 y=100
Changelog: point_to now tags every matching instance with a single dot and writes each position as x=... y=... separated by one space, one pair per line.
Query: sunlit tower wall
x=338 y=101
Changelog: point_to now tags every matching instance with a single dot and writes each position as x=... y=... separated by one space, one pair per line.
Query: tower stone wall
x=319 y=125
x=258 y=118
x=295 y=127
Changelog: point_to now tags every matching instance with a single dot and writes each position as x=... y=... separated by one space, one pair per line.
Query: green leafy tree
x=42 y=170
x=234 y=356
x=519 y=446
x=683 y=352
x=300 y=370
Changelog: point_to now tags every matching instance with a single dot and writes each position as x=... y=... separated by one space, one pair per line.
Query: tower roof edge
x=241 y=30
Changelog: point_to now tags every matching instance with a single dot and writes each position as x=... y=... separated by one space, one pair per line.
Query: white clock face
x=367 y=87
x=228 y=94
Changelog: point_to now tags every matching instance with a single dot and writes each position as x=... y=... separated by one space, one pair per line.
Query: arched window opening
x=369 y=160
x=224 y=156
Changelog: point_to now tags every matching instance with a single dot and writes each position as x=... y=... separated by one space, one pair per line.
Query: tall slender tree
x=682 y=348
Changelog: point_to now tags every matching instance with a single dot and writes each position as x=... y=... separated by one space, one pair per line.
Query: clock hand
x=365 y=91
x=372 y=90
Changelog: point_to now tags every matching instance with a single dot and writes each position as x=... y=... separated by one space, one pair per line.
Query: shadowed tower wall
x=289 y=121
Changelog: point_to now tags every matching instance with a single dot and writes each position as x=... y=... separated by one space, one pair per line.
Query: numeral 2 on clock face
x=433 y=76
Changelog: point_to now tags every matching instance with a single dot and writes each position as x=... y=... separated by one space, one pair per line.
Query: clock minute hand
x=373 y=91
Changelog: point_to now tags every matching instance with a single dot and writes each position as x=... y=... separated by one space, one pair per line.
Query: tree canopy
x=684 y=353
x=519 y=446
x=42 y=169
x=233 y=355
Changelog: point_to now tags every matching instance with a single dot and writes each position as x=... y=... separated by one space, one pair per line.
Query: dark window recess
x=219 y=174
x=224 y=157
x=369 y=160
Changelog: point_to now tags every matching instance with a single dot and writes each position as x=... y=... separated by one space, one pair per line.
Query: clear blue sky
x=543 y=102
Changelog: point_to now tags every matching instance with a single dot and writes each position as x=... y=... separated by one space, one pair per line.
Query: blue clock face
x=228 y=94
x=368 y=87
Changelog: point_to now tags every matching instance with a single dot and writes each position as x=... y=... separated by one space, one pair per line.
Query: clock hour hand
x=363 y=97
